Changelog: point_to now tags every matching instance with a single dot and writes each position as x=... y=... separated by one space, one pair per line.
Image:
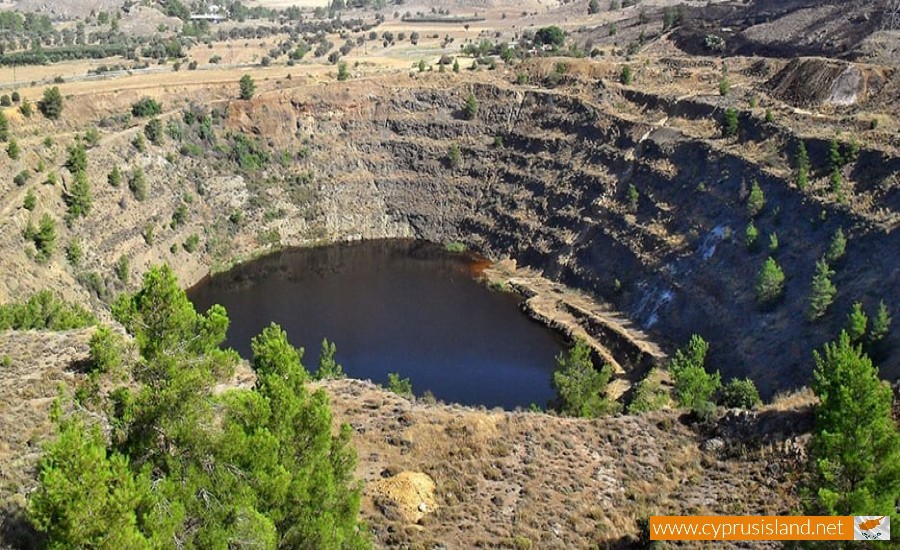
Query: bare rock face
x=407 y=495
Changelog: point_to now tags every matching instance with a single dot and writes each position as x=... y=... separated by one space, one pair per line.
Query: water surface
x=393 y=306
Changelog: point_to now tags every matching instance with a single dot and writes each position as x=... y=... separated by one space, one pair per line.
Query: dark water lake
x=393 y=306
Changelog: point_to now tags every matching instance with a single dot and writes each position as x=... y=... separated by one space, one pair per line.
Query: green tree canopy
x=694 y=386
x=248 y=87
x=822 y=293
x=581 y=387
x=51 y=106
x=769 y=283
x=258 y=468
x=856 y=444
x=551 y=35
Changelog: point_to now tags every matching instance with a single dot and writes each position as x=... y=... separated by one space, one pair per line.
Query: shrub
x=470 y=110
x=92 y=136
x=329 y=369
x=30 y=200
x=247 y=87
x=139 y=143
x=5 y=101
x=343 y=73
x=454 y=157
x=45 y=237
x=730 y=123
x=649 y=395
x=625 y=76
x=115 y=177
x=26 y=109
x=12 y=149
x=154 y=131
x=770 y=117
x=400 y=386
x=724 y=86
x=22 y=178
x=773 y=243
x=123 y=268
x=179 y=216
x=51 y=106
x=107 y=350
x=740 y=394
x=77 y=158
x=137 y=184
x=74 y=252
x=146 y=107
x=551 y=35
x=582 y=388
x=16 y=97
x=769 y=283
x=44 y=310
x=4 y=127
x=190 y=245
x=633 y=198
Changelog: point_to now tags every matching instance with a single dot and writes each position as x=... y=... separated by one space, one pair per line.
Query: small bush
x=626 y=76
x=730 y=123
x=107 y=350
x=740 y=394
x=146 y=107
x=191 y=244
x=115 y=177
x=400 y=386
x=649 y=395
x=44 y=310
x=455 y=246
x=30 y=200
x=154 y=131
x=470 y=110
x=137 y=184
x=51 y=106
x=12 y=149
x=123 y=269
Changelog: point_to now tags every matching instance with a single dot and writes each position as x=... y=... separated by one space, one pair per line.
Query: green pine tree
x=856 y=445
x=756 y=200
x=694 y=386
x=836 y=247
x=822 y=293
x=328 y=367
x=582 y=388
x=857 y=321
x=79 y=198
x=802 y=161
x=769 y=283
x=881 y=323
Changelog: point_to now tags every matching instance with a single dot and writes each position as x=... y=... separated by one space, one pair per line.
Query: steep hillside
x=543 y=177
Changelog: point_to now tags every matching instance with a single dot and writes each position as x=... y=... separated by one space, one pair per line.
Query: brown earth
x=485 y=478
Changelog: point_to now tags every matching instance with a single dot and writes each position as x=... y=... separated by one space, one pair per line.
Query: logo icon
x=872 y=528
